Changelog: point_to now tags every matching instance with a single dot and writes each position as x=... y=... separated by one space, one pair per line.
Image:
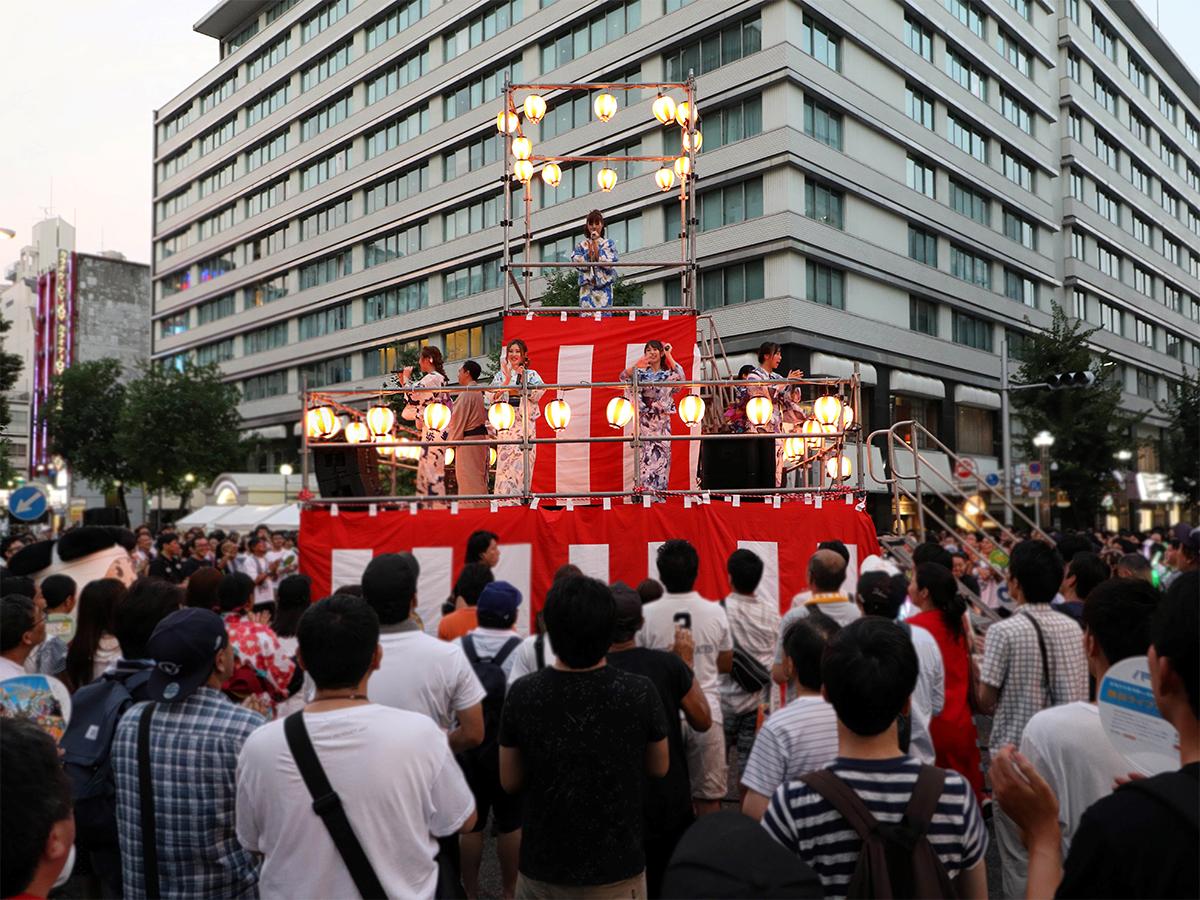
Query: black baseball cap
x=183 y=646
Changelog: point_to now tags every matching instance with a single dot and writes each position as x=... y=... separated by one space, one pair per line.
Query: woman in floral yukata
x=590 y=254
x=431 y=468
x=654 y=408
x=510 y=459
x=785 y=397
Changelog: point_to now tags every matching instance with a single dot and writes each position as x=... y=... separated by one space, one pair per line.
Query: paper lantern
x=813 y=430
x=492 y=457
x=552 y=174
x=687 y=140
x=605 y=106
x=759 y=410
x=664 y=109
x=664 y=178
x=793 y=448
x=502 y=415
x=523 y=170
x=828 y=409
x=607 y=179
x=408 y=452
x=683 y=111
x=839 y=467
x=437 y=416
x=558 y=414
x=619 y=411
x=847 y=416
x=535 y=108
x=386 y=451
x=322 y=422
x=691 y=409
x=380 y=420
x=683 y=167
x=357 y=432
x=522 y=147
x=506 y=122
x=449 y=456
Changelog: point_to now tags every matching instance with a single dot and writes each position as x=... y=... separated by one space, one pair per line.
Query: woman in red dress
x=955 y=741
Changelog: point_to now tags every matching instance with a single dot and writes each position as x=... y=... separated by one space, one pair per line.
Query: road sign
x=964 y=468
x=1035 y=487
x=1035 y=468
x=27 y=503
x=992 y=479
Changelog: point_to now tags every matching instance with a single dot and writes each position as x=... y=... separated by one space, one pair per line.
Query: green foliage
x=82 y=418
x=1088 y=424
x=1181 y=438
x=562 y=289
x=10 y=370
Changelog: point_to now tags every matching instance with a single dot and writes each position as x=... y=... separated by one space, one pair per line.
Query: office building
x=882 y=181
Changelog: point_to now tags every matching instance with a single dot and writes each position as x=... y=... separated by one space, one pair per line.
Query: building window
x=1170 y=203
x=218 y=135
x=1076 y=185
x=729 y=205
x=826 y=285
x=822 y=123
x=580 y=180
x=1108 y=261
x=1020 y=289
x=1111 y=318
x=175 y=123
x=1170 y=250
x=922 y=246
x=1016 y=112
x=1143 y=281
x=328 y=166
x=264 y=198
x=1107 y=151
x=267 y=103
x=325 y=270
x=725 y=286
x=922 y=316
x=215 y=223
x=400 y=130
x=1075 y=125
x=323 y=322
x=396 y=301
x=1016 y=169
x=263 y=339
x=464 y=343
x=823 y=203
x=966 y=138
x=263 y=292
x=469 y=280
x=265 y=244
x=326 y=117
x=1167 y=105
x=322 y=19
x=731 y=123
x=387 y=359
x=218 y=178
x=918 y=106
x=326 y=372
x=217 y=265
x=1140 y=127
x=1147 y=385
x=594 y=33
x=1168 y=154
x=1105 y=96
x=1012 y=50
x=1139 y=178
x=398 y=20
x=1073 y=10
x=1108 y=206
x=403 y=73
x=329 y=64
x=479 y=90
x=970 y=267
x=711 y=52
x=399 y=187
x=213 y=310
x=482 y=27
x=1144 y=332
x=960 y=69
x=918 y=37
x=1138 y=74
x=970 y=203
x=1140 y=228
x=1020 y=344
x=172 y=325
x=922 y=410
x=217 y=352
x=1018 y=228
x=920 y=176
x=268 y=56
x=821 y=42
x=326 y=219
x=971 y=332
x=1079 y=305
x=1078 y=246
x=969 y=14
x=396 y=245
x=260 y=387
x=975 y=430
x=265 y=151
x=1073 y=66
x=1104 y=38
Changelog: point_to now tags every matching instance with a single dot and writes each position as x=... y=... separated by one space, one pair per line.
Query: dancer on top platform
x=595 y=281
x=782 y=397
x=431 y=468
x=514 y=372
x=655 y=406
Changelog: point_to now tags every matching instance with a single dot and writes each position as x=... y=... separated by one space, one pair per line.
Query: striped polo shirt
x=803 y=821
x=800 y=738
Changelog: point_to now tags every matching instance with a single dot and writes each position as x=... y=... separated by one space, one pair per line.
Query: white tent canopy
x=242 y=518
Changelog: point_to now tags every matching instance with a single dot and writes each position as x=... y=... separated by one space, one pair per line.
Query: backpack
x=490 y=671
x=96 y=709
x=896 y=860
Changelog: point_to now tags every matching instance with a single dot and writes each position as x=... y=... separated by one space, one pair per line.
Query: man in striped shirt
x=868 y=674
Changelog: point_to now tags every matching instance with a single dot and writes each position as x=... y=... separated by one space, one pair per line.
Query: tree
x=82 y=418
x=1181 y=439
x=10 y=369
x=1088 y=424
x=562 y=289
x=179 y=422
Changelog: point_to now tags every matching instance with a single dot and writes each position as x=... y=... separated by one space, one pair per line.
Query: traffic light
x=1071 y=380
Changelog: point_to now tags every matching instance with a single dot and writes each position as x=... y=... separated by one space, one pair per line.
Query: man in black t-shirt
x=169 y=562
x=577 y=740
x=1140 y=841
x=669 y=799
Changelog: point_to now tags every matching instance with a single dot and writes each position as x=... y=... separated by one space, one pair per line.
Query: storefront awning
x=972 y=396
x=917 y=385
x=840 y=367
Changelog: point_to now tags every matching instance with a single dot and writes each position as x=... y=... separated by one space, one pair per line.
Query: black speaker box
x=346 y=471
x=738 y=463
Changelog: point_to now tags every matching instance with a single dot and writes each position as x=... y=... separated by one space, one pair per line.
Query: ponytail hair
x=434 y=355
x=943 y=593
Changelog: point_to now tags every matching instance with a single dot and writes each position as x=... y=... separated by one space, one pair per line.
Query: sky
x=82 y=79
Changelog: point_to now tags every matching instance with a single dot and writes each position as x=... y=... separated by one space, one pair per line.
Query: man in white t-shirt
x=419 y=672
x=286 y=561
x=261 y=570
x=534 y=654
x=392 y=770
x=1067 y=744
x=681 y=607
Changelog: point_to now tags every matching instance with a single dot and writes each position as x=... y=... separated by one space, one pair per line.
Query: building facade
x=907 y=186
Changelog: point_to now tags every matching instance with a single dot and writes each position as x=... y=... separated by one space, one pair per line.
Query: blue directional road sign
x=27 y=503
x=1035 y=486
x=992 y=479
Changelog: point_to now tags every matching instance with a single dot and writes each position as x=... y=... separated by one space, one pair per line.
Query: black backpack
x=896 y=860
x=490 y=671
x=96 y=709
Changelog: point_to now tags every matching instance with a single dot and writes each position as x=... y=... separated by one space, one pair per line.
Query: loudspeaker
x=346 y=471
x=738 y=463
x=105 y=515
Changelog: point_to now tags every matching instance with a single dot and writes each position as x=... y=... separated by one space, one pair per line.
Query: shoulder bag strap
x=924 y=800
x=328 y=805
x=468 y=645
x=146 y=790
x=506 y=651
x=1047 y=681
x=842 y=798
x=539 y=651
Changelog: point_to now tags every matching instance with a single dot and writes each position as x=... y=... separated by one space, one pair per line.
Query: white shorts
x=706 y=761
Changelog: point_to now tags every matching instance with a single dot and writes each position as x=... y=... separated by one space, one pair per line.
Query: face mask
x=67 y=869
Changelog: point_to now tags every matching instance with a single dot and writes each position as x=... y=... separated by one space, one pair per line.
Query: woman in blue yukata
x=510 y=461
x=654 y=408
x=431 y=468
x=784 y=398
x=590 y=254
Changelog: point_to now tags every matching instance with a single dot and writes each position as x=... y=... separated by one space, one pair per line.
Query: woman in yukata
x=431 y=468
x=510 y=461
x=654 y=407
x=595 y=279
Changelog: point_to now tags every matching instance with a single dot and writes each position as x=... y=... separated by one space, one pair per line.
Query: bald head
x=629 y=612
x=826 y=571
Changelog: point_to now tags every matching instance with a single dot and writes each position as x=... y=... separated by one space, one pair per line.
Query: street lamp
x=1124 y=455
x=285 y=470
x=1044 y=440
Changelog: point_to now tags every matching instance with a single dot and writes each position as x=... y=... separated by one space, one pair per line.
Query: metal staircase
x=714 y=364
